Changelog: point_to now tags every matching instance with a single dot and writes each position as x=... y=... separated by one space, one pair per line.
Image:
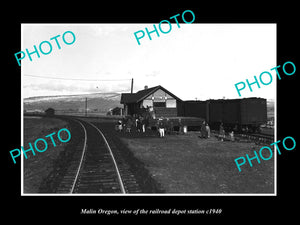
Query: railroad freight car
x=245 y=114
x=194 y=109
x=253 y=112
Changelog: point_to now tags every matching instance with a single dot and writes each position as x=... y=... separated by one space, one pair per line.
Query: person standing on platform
x=129 y=124
x=180 y=128
x=222 y=132
x=161 y=128
x=203 y=130
x=207 y=130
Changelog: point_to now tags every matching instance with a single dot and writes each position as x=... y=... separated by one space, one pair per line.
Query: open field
x=188 y=164
x=40 y=166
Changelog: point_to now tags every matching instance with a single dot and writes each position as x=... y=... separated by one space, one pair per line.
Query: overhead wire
x=78 y=79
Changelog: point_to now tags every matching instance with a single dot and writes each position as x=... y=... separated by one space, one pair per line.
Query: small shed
x=116 y=111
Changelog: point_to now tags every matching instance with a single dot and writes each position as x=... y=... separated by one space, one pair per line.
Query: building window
x=171 y=103
x=159 y=104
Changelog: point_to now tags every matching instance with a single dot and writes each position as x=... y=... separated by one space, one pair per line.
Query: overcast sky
x=194 y=61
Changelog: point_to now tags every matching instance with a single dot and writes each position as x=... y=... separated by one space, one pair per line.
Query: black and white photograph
x=136 y=111
x=160 y=117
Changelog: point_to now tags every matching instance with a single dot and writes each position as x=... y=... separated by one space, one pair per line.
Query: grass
x=38 y=167
x=188 y=164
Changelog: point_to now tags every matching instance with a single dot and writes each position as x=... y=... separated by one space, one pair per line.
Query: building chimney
x=146 y=87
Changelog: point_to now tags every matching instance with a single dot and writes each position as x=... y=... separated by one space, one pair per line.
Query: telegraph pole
x=131 y=85
x=85 y=107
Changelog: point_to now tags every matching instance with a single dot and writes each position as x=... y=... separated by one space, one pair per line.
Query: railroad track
x=94 y=169
x=259 y=138
x=265 y=138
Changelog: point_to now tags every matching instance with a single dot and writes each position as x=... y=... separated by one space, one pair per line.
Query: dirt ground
x=38 y=167
x=189 y=164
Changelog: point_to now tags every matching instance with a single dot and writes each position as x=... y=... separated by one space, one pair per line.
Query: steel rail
x=113 y=158
x=82 y=156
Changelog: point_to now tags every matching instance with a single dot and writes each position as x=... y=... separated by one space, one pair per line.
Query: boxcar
x=253 y=112
x=194 y=109
x=236 y=114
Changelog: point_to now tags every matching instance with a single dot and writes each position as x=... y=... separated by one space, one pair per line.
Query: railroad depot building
x=160 y=100
x=240 y=114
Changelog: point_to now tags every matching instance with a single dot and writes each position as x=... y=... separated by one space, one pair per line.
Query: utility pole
x=85 y=107
x=131 y=85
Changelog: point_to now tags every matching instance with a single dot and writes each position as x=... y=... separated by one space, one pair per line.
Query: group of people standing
x=141 y=124
x=164 y=126
x=205 y=132
x=128 y=123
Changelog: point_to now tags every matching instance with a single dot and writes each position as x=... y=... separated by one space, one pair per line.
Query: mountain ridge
x=98 y=102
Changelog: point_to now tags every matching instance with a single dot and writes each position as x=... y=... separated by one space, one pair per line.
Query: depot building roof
x=141 y=95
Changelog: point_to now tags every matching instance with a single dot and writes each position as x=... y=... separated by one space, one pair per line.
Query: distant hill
x=96 y=102
x=270 y=108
